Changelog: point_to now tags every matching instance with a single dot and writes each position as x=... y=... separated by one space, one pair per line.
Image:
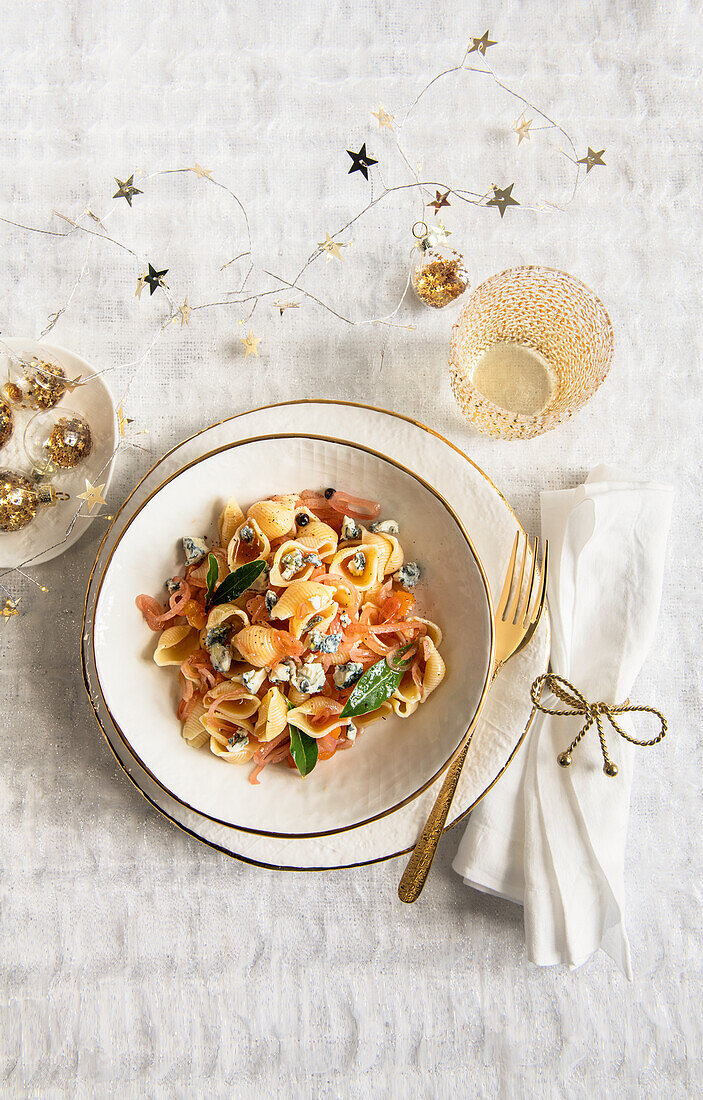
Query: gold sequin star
x=70 y=384
x=384 y=118
x=592 y=159
x=502 y=198
x=522 y=128
x=122 y=420
x=440 y=201
x=332 y=248
x=482 y=44
x=251 y=343
x=92 y=495
x=125 y=189
x=286 y=305
x=141 y=283
x=184 y=313
x=9 y=609
x=201 y=173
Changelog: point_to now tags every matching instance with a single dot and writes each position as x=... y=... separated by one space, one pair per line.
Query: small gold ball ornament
x=69 y=442
x=438 y=273
x=20 y=499
x=564 y=759
x=610 y=769
x=7 y=423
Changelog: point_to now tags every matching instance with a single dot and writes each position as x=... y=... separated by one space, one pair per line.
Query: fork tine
x=509 y=574
x=524 y=620
x=542 y=594
x=512 y=614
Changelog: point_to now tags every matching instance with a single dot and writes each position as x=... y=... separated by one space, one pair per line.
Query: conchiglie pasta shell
x=374 y=715
x=433 y=631
x=274 y=517
x=390 y=552
x=297 y=593
x=286 y=548
x=295 y=696
x=321 y=538
x=231 y=710
x=403 y=708
x=199 y=573
x=298 y=625
x=434 y=670
x=175 y=645
x=224 y=613
x=239 y=552
x=369 y=577
x=240 y=757
x=192 y=730
x=407 y=690
x=272 y=718
x=231 y=517
x=300 y=717
x=260 y=645
x=221 y=728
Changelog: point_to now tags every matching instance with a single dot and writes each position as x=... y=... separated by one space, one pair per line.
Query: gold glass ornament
x=438 y=273
x=21 y=499
x=57 y=439
x=46 y=383
x=7 y=423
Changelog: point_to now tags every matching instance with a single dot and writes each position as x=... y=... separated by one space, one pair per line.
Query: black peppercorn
x=329 y=493
x=302 y=519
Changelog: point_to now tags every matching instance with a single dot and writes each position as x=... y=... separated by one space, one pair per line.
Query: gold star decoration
x=92 y=495
x=440 y=201
x=332 y=248
x=141 y=283
x=70 y=384
x=481 y=44
x=384 y=118
x=126 y=189
x=251 y=343
x=184 y=313
x=122 y=420
x=502 y=198
x=154 y=278
x=522 y=128
x=9 y=609
x=201 y=173
x=281 y=306
x=592 y=158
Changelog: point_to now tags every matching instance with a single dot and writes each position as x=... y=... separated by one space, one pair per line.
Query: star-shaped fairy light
x=361 y=161
x=481 y=44
x=332 y=248
x=251 y=343
x=440 y=200
x=126 y=189
x=141 y=283
x=281 y=306
x=201 y=173
x=92 y=495
x=522 y=128
x=184 y=313
x=9 y=609
x=123 y=421
x=502 y=198
x=154 y=279
x=592 y=159
x=384 y=117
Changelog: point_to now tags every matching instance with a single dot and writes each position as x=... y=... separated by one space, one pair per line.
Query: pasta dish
x=294 y=630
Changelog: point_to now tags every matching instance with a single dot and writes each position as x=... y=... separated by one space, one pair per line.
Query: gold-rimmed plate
x=492 y=523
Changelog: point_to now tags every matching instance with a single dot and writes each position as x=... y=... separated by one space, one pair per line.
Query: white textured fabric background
x=134 y=961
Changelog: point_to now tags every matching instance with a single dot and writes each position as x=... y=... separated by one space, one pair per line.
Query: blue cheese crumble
x=252 y=680
x=357 y=564
x=385 y=527
x=291 y=564
x=282 y=673
x=194 y=549
x=220 y=657
x=246 y=533
x=344 y=618
x=309 y=678
x=270 y=600
x=312 y=559
x=346 y=675
x=409 y=574
x=238 y=742
x=216 y=635
x=173 y=585
x=324 y=643
x=350 y=529
x=352 y=731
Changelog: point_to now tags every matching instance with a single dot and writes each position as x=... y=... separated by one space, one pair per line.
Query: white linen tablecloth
x=134 y=961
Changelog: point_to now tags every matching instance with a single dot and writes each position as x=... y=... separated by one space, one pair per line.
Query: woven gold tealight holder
x=529 y=348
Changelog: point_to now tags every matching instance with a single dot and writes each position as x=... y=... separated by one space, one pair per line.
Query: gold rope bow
x=592 y=712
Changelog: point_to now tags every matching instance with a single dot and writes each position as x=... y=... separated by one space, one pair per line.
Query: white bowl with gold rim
x=393 y=761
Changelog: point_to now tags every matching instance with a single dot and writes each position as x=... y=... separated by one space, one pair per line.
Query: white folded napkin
x=552 y=837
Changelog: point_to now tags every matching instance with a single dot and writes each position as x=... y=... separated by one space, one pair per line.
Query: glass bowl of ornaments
x=530 y=347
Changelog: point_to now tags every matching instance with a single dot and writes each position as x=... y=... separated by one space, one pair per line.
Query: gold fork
x=515 y=623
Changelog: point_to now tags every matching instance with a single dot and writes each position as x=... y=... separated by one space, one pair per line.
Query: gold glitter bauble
x=69 y=443
x=12 y=394
x=47 y=384
x=18 y=501
x=7 y=422
x=440 y=277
